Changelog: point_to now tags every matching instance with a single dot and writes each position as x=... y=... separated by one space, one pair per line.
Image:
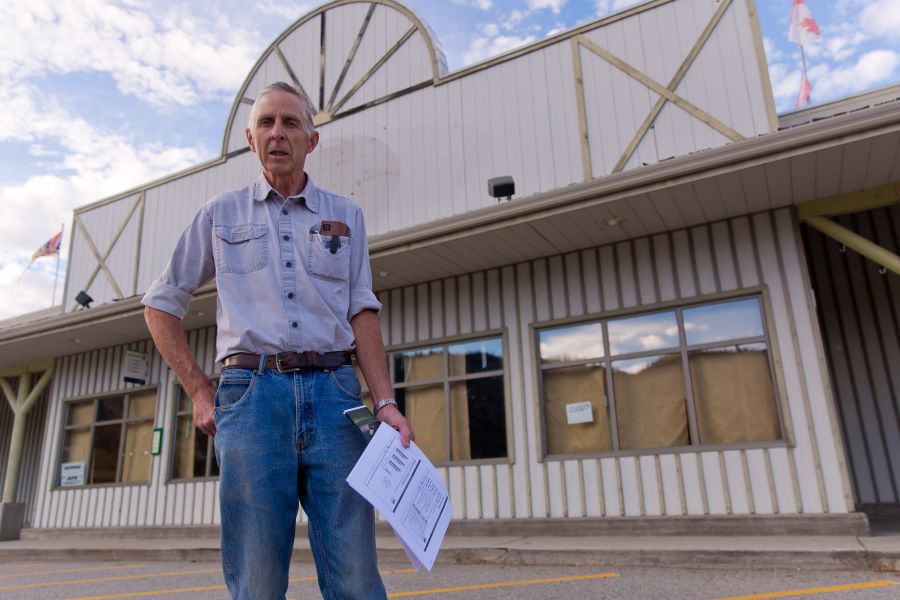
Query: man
x=294 y=296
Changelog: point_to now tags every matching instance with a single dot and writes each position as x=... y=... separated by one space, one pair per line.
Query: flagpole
x=58 y=254
x=805 y=76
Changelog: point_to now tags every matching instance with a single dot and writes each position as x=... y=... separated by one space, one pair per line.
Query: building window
x=107 y=440
x=681 y=377
x=194 y=454
x=454 y=398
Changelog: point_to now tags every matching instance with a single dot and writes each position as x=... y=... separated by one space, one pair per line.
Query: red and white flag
x=805 y=89
x=804 y=28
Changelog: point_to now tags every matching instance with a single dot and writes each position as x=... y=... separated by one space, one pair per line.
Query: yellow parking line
x=205 y=588
x=486 y=586
x=820 y=590
x=24 y=586
x=58 y=571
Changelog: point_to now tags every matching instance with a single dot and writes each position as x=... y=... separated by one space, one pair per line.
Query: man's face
x=278 y=135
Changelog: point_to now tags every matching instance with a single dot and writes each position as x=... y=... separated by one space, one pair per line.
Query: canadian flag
x=805 y=89
x=804 y=28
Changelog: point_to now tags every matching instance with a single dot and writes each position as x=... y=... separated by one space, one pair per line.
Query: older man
x=294 y=298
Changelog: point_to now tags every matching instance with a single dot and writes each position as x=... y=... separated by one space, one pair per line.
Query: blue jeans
x=283 y=438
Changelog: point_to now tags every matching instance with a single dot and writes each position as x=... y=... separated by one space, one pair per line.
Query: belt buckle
x=282 y=369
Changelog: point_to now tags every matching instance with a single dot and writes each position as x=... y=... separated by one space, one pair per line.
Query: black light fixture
x=501 y=187
x=83 y=299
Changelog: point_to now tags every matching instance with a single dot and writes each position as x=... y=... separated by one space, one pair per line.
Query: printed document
x=405 y=487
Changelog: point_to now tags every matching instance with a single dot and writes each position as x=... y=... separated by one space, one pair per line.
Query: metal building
x=664 y=321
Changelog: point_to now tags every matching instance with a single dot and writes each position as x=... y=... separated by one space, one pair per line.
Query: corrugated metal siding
x=807 y=476
x=31 y=449
x=858 y=311
x=747 y=252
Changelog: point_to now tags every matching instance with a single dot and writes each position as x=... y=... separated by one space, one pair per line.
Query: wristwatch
x=382 y=403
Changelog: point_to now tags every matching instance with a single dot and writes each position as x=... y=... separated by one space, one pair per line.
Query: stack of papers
x=406 y=488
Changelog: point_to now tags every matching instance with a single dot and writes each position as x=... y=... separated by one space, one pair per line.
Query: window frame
x=175 y=395
x=124 y=422
x=448 y=380
x=682 y=350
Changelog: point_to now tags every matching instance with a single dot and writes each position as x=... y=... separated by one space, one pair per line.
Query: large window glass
x=688 y=376
x=453 y=396
x=194 y=454
x=107 y=440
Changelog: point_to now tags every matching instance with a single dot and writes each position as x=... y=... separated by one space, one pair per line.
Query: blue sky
x=101 y=95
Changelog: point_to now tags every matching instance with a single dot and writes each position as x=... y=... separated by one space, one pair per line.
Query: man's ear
x=250 y=139
x=313 y=142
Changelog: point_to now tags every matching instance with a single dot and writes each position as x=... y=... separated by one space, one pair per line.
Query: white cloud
x=289 y=10
x=554 y=5
x=482 y=4
x=872 y=68
x=605 y=7
x=881 y=18
x=174 y=56
x=88 y=164
x=490 y=43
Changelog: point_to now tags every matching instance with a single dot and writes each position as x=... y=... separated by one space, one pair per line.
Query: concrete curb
x=502 y=554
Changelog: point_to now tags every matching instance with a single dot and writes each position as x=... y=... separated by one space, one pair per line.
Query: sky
x=99 y=96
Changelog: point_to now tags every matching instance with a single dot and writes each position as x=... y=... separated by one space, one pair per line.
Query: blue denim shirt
x=283 y=283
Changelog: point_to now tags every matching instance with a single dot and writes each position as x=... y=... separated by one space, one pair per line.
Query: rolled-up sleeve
x=192 y=265
x=361 y=295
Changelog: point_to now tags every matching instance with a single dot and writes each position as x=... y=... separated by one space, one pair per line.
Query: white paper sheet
x=405 y=487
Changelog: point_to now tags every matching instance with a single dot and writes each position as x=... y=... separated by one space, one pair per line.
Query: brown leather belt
x=285 y=362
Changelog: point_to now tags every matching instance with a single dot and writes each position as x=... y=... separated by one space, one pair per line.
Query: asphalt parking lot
x=158 y=579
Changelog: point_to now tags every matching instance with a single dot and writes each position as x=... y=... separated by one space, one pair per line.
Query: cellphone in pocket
x=363 y=418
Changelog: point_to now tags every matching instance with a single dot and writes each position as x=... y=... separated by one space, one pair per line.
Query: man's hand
x=204 y=410
x=393 y=417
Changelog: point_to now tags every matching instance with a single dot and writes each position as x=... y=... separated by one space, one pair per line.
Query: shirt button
x=295 y=324
x=289 y=264
x=284 y=211
x=290 y=295
x=285 y=237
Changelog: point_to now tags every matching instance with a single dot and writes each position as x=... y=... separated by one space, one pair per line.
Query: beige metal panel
x=787 y=498
x=756 y=188
x=731 y=189
x=556 y=489
x=628 y=470
x=713 y=482
x=342 y=26
x=519 y=363
x=855 y=164
x=759 y=473
x=664 y=267
x=590 y=277
x=473 y=492
x=593 y=488
x=735 y=483
x=564 y=135
x=820 y=405
x=702 y=259
x=803 y=178
x=710 y=197
x=695 y=501
x=667 y=208
x=651 y=491
x=302 y=48
x=487 y=484
x=782 y=325
x=646 y=275
x=672 y=485
x=612 y=487
x=828 y=171
x=571 y=471
x=883 y=158
x=723 y=256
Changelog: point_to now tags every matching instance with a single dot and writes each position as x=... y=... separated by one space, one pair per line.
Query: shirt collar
x=309 y=194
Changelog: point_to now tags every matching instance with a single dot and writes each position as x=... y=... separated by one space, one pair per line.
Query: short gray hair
x=280 y=86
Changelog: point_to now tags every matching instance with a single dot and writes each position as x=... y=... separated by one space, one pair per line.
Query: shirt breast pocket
x=328 y=256
x=241 y=248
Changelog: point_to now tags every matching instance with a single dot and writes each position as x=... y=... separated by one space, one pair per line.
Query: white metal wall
x=427 y=154
x=808 y=476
